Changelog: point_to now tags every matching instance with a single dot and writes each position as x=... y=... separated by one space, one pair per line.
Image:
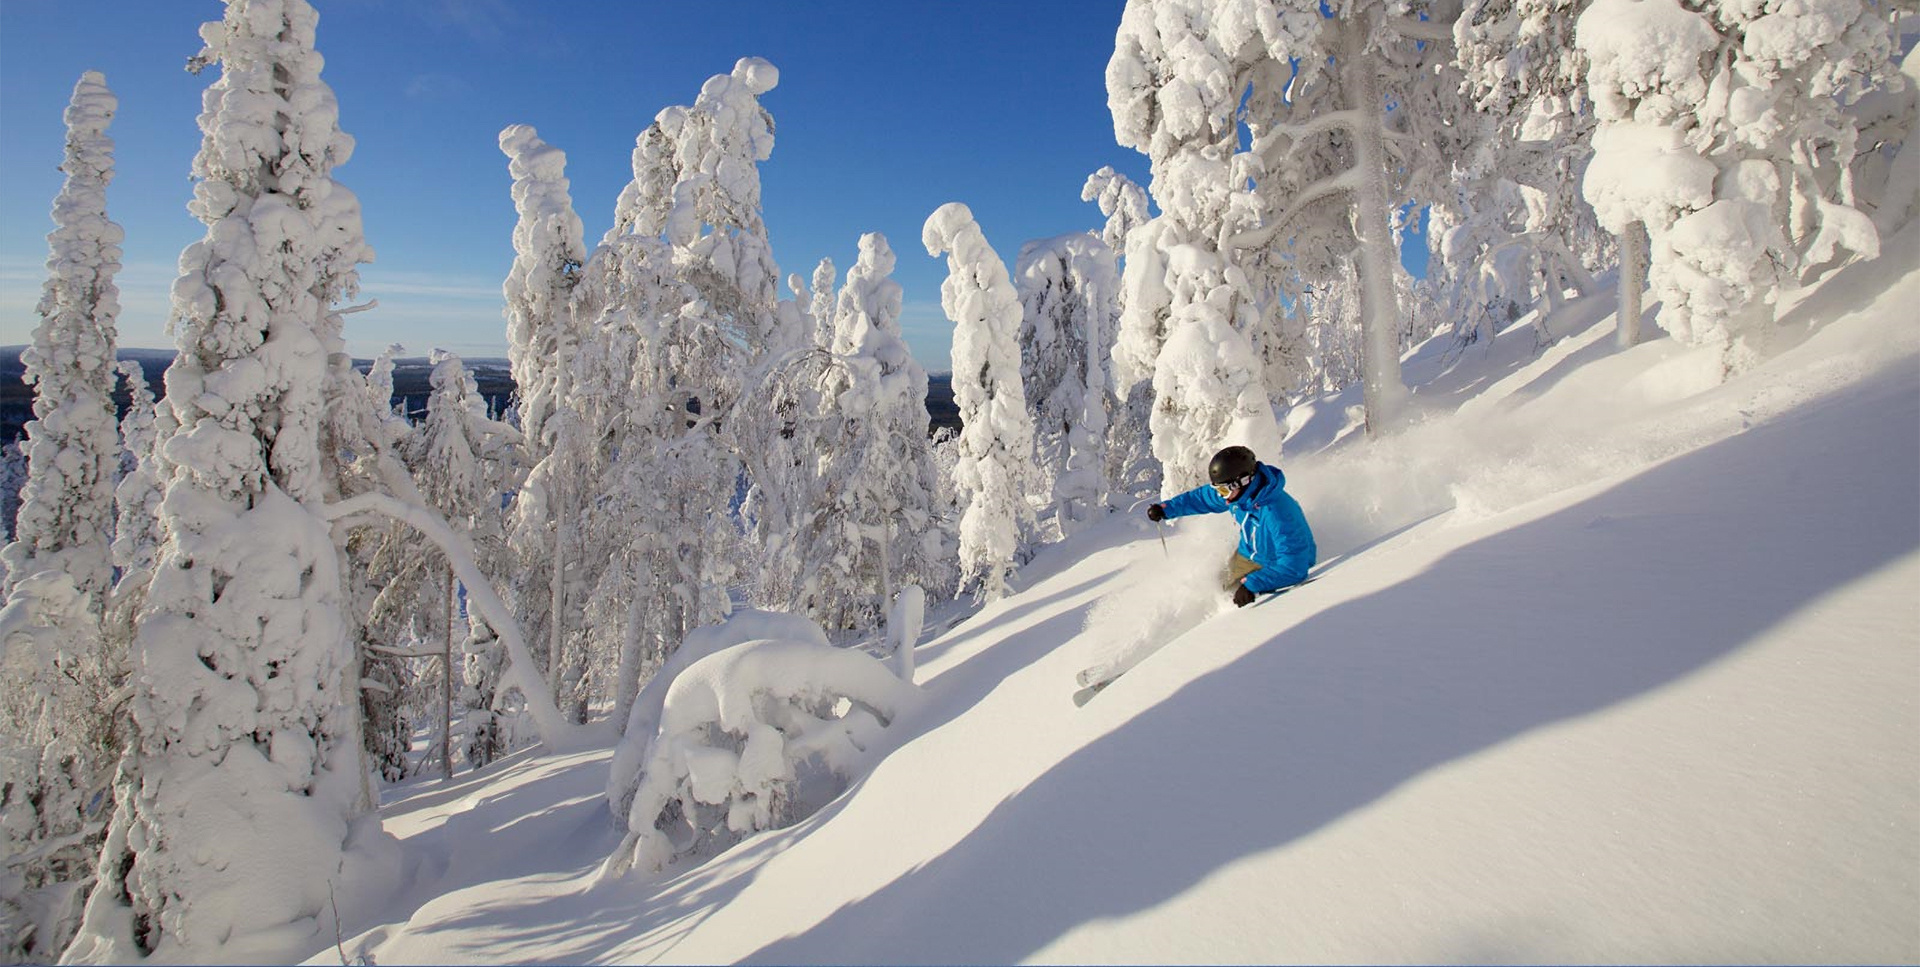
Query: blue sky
x=885 y=111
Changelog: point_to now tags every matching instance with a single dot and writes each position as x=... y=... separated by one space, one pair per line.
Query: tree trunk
x=446 y=667
x=1385 y=391
x=626 y=685
x=1633 y=283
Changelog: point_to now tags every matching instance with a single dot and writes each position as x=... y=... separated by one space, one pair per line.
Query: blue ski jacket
x=1273 y=530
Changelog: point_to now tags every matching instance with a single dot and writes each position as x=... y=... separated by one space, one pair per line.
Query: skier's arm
x=1268 y=579
x=1199 y=500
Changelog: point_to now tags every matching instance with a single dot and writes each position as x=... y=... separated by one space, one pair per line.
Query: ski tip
x=1085 y=695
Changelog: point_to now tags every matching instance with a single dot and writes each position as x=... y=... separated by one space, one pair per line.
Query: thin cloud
x=483 y=20
x=423 y=284
x=437 y=88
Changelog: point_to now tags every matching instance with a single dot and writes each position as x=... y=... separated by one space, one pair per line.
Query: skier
x=1276 y=546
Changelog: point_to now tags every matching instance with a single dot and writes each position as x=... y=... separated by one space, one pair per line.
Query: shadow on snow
x=1354 y=701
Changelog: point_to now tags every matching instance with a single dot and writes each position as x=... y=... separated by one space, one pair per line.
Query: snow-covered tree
x=1886 y=172
x=136 y=531
x=59 y=724
x=1070 y=296
x=1514 y=231
x=1136 y=335
x=995 y=470
x=466 y=462
x=1282 y=135
x=543 y=341
x=1122 y=202
x=821 y=307
x=869 y=523
x=899 y=466
x=13 y=479
x=674 y=312
x=242 y=783
x=549 y=248
x=66 y=509
x=60 y=729
x=1723 y=131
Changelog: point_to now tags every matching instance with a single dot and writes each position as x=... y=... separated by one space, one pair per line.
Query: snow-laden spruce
x=995 y=472
x=1070 y=296
x=59 y=723
x=543 y=338
x=754 y=724
x=66 y=508
x=1724 y=131
x=136 y=530
x=242 y=786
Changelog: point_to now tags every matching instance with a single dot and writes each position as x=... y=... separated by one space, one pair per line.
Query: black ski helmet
x=1230 y=465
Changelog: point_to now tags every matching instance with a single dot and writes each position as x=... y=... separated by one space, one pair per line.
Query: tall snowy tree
x=59 y=724
x=869 y=525
x=897 y=472
x=241 y=786
x=1723 y=131
x=66 y=508
x=994 y=473
x=543 y=342
x=1069 y=295
x=680 y=301
x=1136 y=336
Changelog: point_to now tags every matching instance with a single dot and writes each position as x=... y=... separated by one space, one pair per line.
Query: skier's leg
x=1238 y=567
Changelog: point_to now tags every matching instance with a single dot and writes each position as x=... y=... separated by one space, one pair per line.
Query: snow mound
x=751 y=737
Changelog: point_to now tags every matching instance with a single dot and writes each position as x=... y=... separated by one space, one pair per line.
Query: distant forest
x=409 y=387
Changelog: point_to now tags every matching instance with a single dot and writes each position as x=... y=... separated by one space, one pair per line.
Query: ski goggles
x=1230 y=488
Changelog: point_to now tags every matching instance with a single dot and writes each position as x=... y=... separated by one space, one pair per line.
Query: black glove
x=1156 y=512
x=1241 y=596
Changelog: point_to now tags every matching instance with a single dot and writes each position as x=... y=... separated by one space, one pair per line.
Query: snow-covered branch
x=1349 y=180
x=1429 y=31
x=522 y=673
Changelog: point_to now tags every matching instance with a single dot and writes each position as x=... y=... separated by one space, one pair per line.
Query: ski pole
x=1160 y=527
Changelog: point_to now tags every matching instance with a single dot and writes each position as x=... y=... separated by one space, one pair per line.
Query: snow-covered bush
x=753 y=725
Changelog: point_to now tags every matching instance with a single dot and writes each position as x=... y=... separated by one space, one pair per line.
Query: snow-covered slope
x=1616 y=663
